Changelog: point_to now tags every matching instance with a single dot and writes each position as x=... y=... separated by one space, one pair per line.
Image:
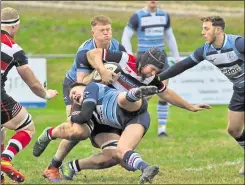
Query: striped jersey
x=150 y=28
x=11 y=55
x=105 y=99
x=130 y=77
x=229 y=59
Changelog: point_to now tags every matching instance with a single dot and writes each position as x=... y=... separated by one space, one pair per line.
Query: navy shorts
x=141 y=116
x=237 y=102
x=9 y=107
x=66 y=84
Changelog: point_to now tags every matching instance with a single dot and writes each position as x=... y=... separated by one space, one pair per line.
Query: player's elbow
x=94 y=52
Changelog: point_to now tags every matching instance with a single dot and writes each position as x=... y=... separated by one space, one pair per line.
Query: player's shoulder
x=87 y=45
x=161 y=12
x=7 y=39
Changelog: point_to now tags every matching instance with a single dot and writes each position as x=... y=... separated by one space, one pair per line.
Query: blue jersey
x=229 y=59
x=81 y=64
x=150 y=28
x=105 y=99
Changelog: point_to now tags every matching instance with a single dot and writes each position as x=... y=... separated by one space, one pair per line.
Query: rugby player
x=152 y=26
x=13 y=115
x=101 y=31
x=225 y=51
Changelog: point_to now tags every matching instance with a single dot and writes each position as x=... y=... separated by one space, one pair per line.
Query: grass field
x=198 y=151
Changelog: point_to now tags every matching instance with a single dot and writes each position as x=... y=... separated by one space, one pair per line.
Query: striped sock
x=131 y=95
x=17 y=143
x=133 y=160
x=74 y=165
x=241 y=140
x=162 y=110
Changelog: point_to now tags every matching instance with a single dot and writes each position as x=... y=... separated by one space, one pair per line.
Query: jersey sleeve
x=159 y=84
x=90 y=98
x=197 y=55
x=239 y=44
x=134 y=22
x=168 y=25
x=110 y=56
x=82 y=63
x=21 y=58
x=122 y=48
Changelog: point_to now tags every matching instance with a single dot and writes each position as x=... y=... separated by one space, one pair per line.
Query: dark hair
x=153 y=56
x=215 y=20
x=74 y=84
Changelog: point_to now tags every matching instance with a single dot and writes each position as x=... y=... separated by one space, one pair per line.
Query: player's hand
x=116 y=77
x=200 y=107
x=50 y=94
x=107 y=76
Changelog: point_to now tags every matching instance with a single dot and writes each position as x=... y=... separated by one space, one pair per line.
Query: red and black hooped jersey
x=11 y=55
x=130 y=78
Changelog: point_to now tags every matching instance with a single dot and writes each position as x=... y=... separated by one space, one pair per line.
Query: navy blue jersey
x=229 y=59
x=81 y=64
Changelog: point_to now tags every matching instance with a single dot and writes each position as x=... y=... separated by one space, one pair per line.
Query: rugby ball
x=112 y=66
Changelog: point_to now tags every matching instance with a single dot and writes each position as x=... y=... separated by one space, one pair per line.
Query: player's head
x=151 y=62
x=101 y=29
x=151 y=4
x=10 y=20
x=76 y=92
x=213 y=27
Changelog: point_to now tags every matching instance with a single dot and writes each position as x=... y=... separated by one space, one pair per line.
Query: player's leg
x=132 y=100
x=15 y=117
x=236 y=120
x=129 y=141
x=103 y=137
x=3 y=135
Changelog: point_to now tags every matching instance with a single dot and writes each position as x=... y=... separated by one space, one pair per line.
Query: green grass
x=198 y=151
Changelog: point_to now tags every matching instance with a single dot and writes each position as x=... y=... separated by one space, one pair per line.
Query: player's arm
x=128 y=33
x=84 y=69
x=90 y=99
x=171 y=41
x=96 y=58
x=171 y=97
x=30 y=78
x=239 y=44
x=183 y=65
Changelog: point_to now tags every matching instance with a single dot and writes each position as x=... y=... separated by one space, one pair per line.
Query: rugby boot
x=11 y=172
x=148 y=174
x=41 y=143
x=242 y=171
x=144 y=91
x=52 y=174
x=67 y=172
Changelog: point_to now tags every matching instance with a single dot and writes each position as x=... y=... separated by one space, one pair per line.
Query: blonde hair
x=101 y=19
x=9 y=17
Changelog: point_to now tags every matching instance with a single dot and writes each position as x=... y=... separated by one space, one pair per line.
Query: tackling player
x=225 y=51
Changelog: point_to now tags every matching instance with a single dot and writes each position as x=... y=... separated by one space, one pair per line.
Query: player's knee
x=234 y=132
x=27 y=125
x=79 y=132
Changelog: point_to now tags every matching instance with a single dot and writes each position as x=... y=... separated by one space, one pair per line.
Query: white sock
x=161 y=129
